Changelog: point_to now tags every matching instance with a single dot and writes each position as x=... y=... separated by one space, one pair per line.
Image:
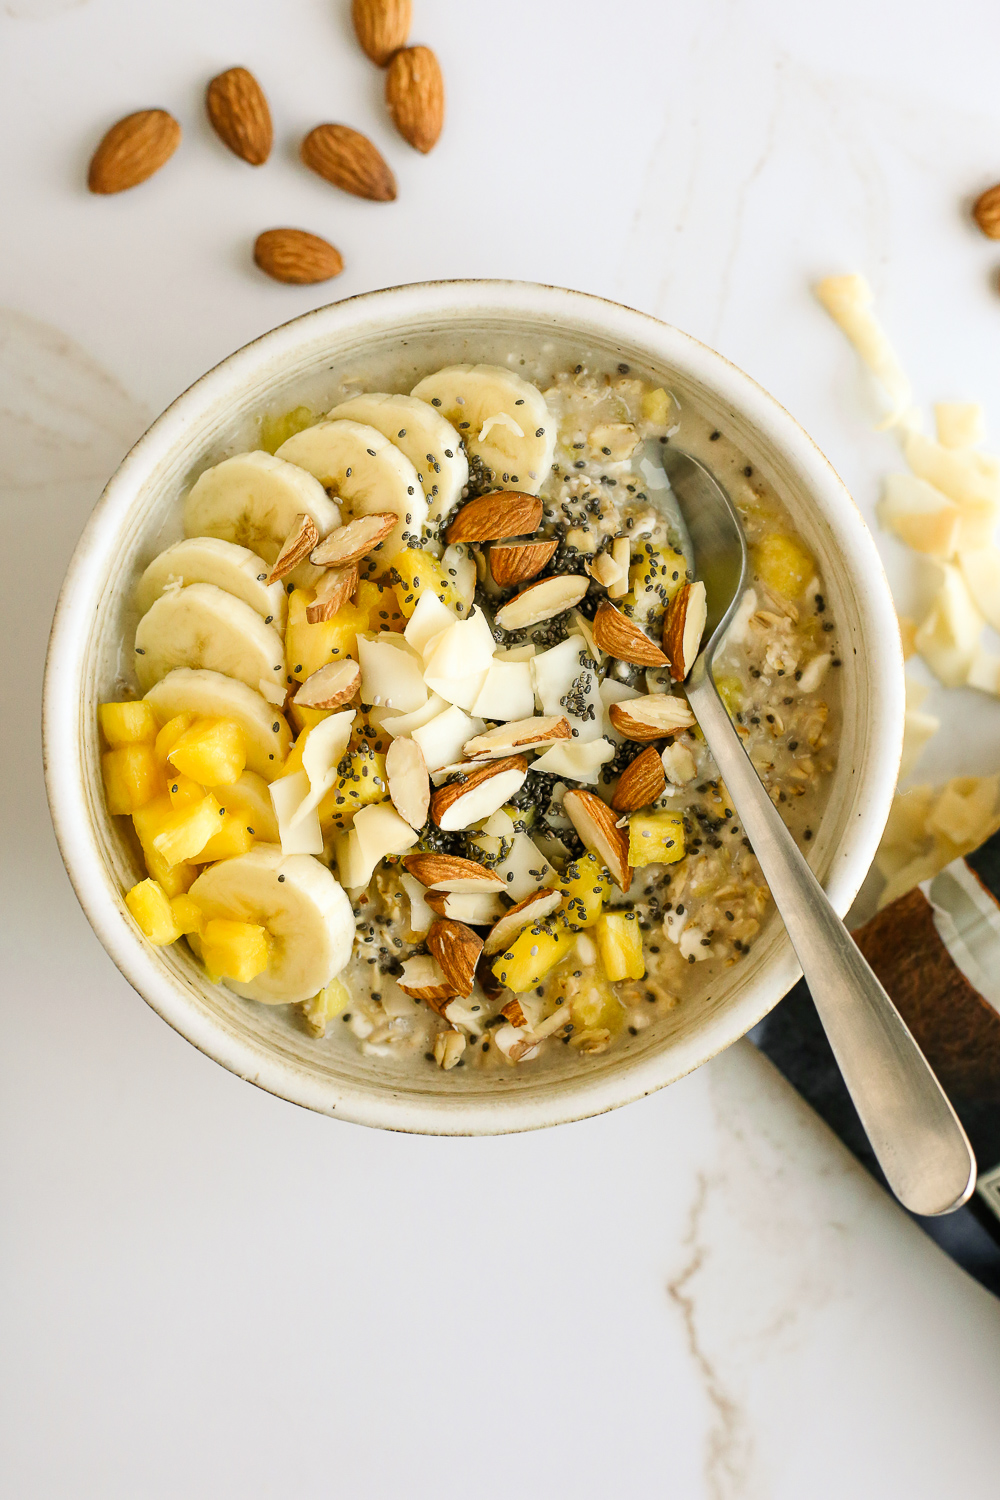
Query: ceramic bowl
x=393 y=336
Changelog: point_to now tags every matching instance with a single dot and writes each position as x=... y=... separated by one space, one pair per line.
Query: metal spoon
x=914 y=1132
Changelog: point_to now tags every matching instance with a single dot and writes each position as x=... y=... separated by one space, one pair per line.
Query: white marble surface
x=211 y=1293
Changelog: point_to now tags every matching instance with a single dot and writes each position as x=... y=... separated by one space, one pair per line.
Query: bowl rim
x=439 y=1112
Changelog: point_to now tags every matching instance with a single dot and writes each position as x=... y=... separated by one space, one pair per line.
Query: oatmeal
x=414 y=753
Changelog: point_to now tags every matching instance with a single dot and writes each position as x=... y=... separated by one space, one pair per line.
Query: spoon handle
x=914 y=1132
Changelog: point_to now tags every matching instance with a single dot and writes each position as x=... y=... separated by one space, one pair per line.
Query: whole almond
x=499 y=514
x=449 y=872
x=295 y=256
x=239 y=115
x=457 y=949
x=414 y=92
x=348 y=159
x=620 y=637
x=517 y=562
x=381 y=26
x=986 y=212
x=640 y=783
x=133 y=150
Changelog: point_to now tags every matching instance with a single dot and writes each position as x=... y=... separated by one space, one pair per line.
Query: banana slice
x=304 y=909
x=503 y=421
x=253 y=500
x=368 y=472
x=187 y=690
x=203 y=626
x=208 y=559
x=429 y=441
x=250 y=799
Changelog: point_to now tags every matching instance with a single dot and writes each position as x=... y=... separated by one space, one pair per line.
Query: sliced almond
x=621 y=552
x=490 y=518
x=423 y=979
x=520 y=734
x=651 y=717
x=474 y=911
x=295 y=548
x=479 y=794
x=513 y=1012
x=457 y=949
x=640 y=783
x=332 y=685
x=349 y=544
x=447 y=872
x=684 y=627
x=598 y=828
x=532 y=909
x=621 y=637
x=448 y=1048
x=409 y=784
x=516 y=562
x=333 y=591
x=542 y=601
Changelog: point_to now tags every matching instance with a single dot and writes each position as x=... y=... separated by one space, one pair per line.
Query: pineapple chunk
x=730 y=690
x=381 y=604
x=132 y=777
x=533 y=953
x=149 y=904
x=212 y=752
x=362 y=784
x=148 y=822
x=171 y=733
x=309 y=647
x=414 y=572
x=619 y=942
x=656 y=407
x=324 y=1006
x=782 y=564
x=306 y=718
x=655 y=839
x=184 y=832
x=231 y=837
x=187 y=914
x=654 y=579
x=128 y=723
x=586 y=884
x=234 y=950
x=182 y=791
x=592 y=1001
x=277 y=430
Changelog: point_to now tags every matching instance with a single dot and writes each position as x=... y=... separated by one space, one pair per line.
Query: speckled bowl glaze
x=404 y=329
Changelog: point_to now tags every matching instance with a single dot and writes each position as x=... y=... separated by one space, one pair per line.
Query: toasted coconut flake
x=349 y=544
x=295 y=548
x=598 y=828
x=532 y=909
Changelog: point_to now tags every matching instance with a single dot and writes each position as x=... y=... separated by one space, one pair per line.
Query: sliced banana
x=502 y=419
x=429 y=441
x=208 y=559
x=253 y=500
x=203 y=626
x=251 y=800
x=369 y=473
x=304 y=909
x=197 y=691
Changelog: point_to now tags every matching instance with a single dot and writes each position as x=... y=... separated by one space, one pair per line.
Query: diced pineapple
x=186 y=831
x=584 y=990
x=234 y=950
x=414 y=572
x=149 y=904
x=656 y=407
x=654 y=579
x=306 y=718
x=533 y=953
x=277 y=430
x=730 y=690
x=232 y=837
x=182 y=791
x=309 y=647
x=324 y=1006
x=149 y=821
x=381 y=604
x=362 y=784
x=128 y=723
x=655 y=838
x=619 y=942
x=187 y=914
x=586 y=884
x=782 y=564
x=132 y=777
x=212 y=752
x=171 y=733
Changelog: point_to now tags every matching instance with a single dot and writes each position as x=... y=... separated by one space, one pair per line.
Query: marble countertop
x=210 y=1292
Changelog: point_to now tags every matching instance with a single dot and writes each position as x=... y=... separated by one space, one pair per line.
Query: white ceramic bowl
x=418 y=327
